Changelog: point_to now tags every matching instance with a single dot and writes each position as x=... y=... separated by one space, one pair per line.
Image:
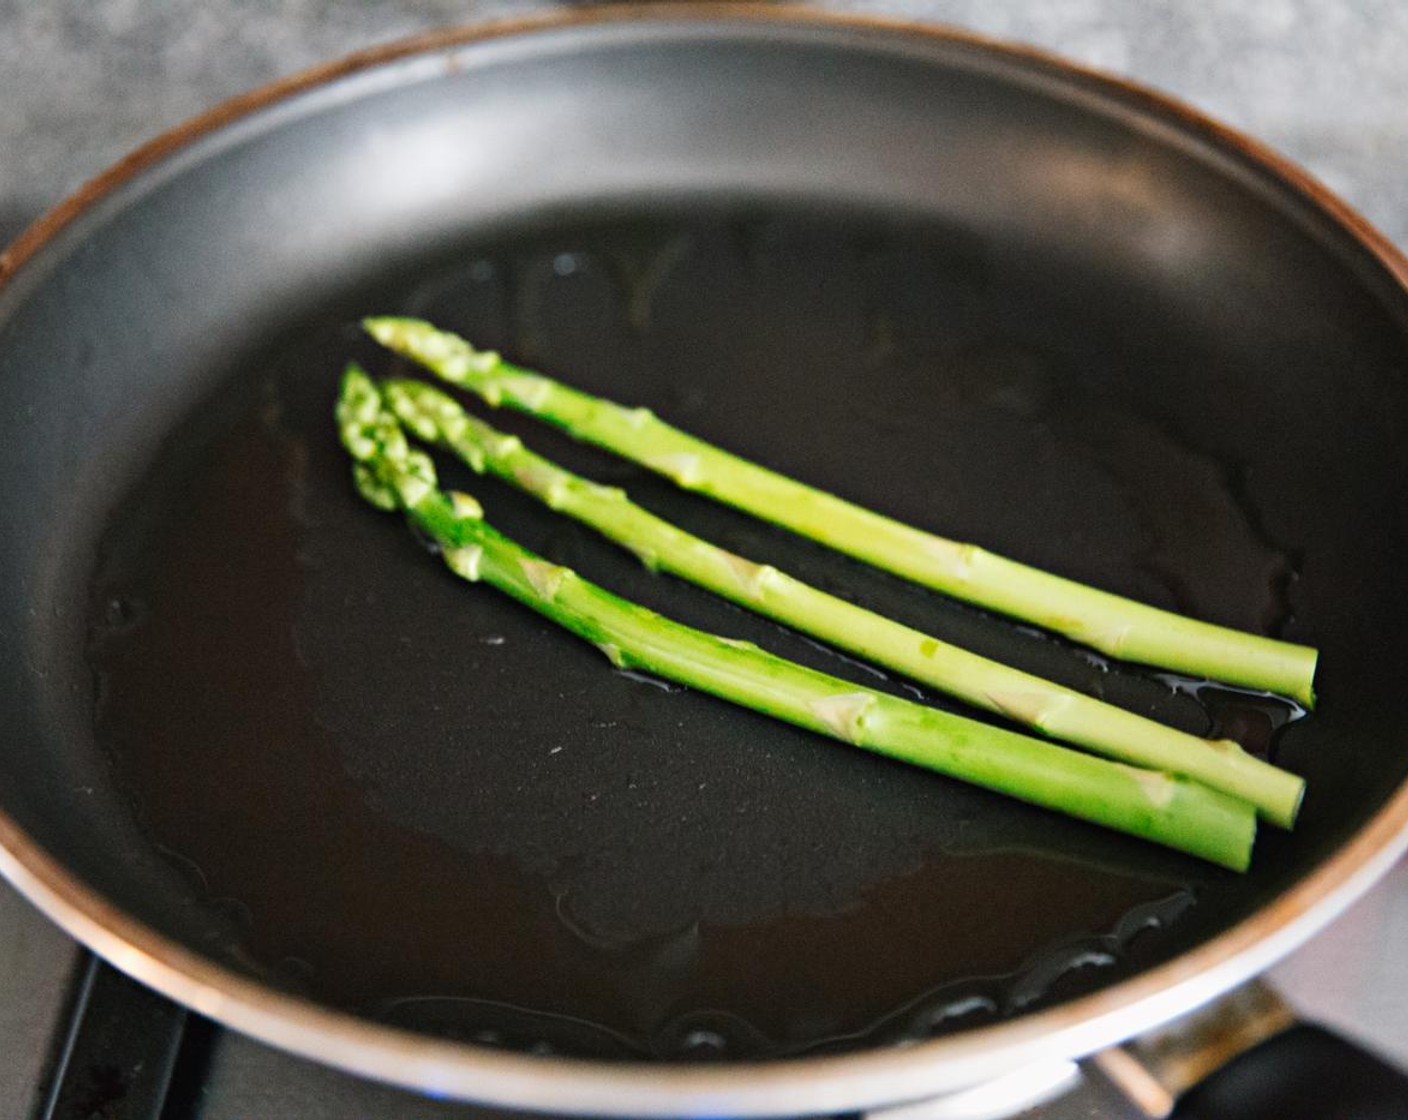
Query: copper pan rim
x=825 y=1083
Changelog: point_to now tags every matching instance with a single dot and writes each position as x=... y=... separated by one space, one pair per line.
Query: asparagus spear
x=1061 y=713
x=1109 y=623
x=1164 y=808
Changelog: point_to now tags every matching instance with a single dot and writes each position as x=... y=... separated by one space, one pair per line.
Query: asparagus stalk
x=1164 y=808
x=1059 y=712
x=1119 y=627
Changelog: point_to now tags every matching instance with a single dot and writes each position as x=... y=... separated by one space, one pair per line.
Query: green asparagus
x=1059 y=712
x=1164 y=808
x=1118 y=627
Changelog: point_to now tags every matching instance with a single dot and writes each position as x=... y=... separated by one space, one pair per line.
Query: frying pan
x=264 y=755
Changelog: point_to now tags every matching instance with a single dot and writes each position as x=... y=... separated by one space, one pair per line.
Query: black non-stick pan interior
x=962 y=287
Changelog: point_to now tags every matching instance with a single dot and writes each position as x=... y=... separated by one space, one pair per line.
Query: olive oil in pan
x=431 y=806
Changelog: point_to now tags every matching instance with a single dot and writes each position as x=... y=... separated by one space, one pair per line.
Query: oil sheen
x=411 y=798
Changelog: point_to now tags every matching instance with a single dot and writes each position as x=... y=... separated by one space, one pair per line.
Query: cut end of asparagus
x=1276 y=793
x=1236 y=855
x=1225 y=832
x=1310 y=659
x=1295 y=798
x=1283 y=794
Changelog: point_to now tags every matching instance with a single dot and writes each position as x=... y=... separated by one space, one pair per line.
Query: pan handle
x=1245 y=1056
x=1303 y=1073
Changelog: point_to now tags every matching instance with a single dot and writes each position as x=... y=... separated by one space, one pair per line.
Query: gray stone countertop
x=1322 y=81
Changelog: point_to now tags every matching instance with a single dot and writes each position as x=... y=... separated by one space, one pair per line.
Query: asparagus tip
x=386 y=328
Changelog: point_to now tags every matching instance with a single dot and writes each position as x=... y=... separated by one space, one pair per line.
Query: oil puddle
x=328 y=729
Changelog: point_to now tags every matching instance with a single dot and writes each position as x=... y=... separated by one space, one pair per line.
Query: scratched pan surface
x=262 y=750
